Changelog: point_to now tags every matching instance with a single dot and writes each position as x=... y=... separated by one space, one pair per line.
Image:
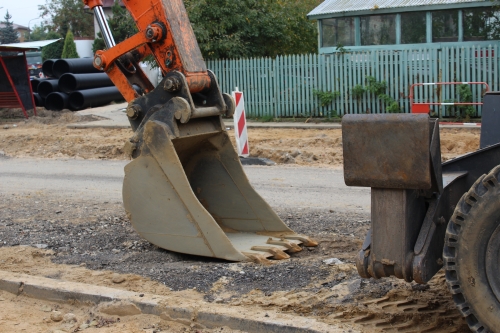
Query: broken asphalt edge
x=208 y=314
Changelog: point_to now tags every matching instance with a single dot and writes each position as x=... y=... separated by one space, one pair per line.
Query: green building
x=405 y=24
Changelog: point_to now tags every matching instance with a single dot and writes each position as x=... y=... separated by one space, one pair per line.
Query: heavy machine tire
x=472 y=254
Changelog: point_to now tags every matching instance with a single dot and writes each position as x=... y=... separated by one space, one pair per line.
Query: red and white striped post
x=240 y=124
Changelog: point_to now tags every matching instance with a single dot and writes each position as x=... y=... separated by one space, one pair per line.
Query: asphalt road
x=284 y=187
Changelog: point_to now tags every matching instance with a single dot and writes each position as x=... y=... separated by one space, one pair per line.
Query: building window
x=413 y=27
x=481 y=24
x=445 y=26
x=378 y=30
x=338 y=31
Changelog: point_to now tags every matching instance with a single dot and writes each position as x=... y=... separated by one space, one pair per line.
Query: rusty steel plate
x=387 y=151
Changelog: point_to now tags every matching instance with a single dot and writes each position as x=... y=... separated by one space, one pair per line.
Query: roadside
x=25 y=314
x=48 y=136
x=93 y=242
x=83 y=238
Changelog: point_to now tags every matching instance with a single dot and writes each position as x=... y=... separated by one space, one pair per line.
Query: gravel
x=101 y=237
x=98 y=235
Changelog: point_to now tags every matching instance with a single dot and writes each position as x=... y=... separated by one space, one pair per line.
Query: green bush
x=378 y=89
x=266 y=119
x=54 y=50
x=69 y=48
x=326 y=97
x=462 y=112
x=358 y=91
x=375 y=87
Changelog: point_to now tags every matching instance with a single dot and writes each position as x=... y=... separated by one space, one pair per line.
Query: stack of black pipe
x=73 y=84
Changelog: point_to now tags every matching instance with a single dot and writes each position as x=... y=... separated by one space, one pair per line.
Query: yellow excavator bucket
x=186 y=191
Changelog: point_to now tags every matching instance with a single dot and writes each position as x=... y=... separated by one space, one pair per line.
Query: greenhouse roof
x=353 y=7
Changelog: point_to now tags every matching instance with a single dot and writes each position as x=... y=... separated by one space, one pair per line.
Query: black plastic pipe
x=47 y=67
x=57 y=101
x=71 y=82
x=46 y=87
x=79 y=65
x=35 y=83
x=39 y=101
x=82 y=99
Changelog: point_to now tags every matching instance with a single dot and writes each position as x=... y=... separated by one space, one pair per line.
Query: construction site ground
x=90 y=240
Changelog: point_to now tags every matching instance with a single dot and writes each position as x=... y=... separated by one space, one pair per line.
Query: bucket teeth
x=291 y=247
x=276 y=252
x=258 y=258
x=306 y=241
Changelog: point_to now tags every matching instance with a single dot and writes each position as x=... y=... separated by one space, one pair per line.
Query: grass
x=268 y=119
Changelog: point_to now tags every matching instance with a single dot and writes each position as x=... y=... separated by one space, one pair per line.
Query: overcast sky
x=22 y=11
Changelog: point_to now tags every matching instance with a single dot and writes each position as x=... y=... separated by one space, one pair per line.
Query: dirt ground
x=23 y=314
x=93 y=242
x=48 y=137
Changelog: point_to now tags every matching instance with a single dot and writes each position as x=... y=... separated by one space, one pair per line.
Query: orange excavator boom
x=164 y=32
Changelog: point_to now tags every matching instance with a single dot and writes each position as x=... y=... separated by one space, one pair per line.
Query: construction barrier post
x=240 y=124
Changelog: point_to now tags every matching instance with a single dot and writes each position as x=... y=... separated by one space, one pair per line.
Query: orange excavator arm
x=165 y=33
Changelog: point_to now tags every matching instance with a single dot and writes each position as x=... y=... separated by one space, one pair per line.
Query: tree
x=39 y=32
x=7 y=33
x=121 y=24
x=253 y=28
x=68 y=14
x=69 y=48
x=54 y=50
x=235 y=29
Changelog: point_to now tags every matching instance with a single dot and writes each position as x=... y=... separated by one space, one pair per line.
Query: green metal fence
x=283 y=87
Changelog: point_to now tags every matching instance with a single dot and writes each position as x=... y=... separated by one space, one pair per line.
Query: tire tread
x=469 y=200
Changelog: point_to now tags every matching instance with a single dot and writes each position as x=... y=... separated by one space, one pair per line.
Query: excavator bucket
x=186 y=191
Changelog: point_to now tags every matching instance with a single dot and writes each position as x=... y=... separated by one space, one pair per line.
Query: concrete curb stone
x=208 y=315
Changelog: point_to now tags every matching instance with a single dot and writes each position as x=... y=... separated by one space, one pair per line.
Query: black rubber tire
x=472 y=254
